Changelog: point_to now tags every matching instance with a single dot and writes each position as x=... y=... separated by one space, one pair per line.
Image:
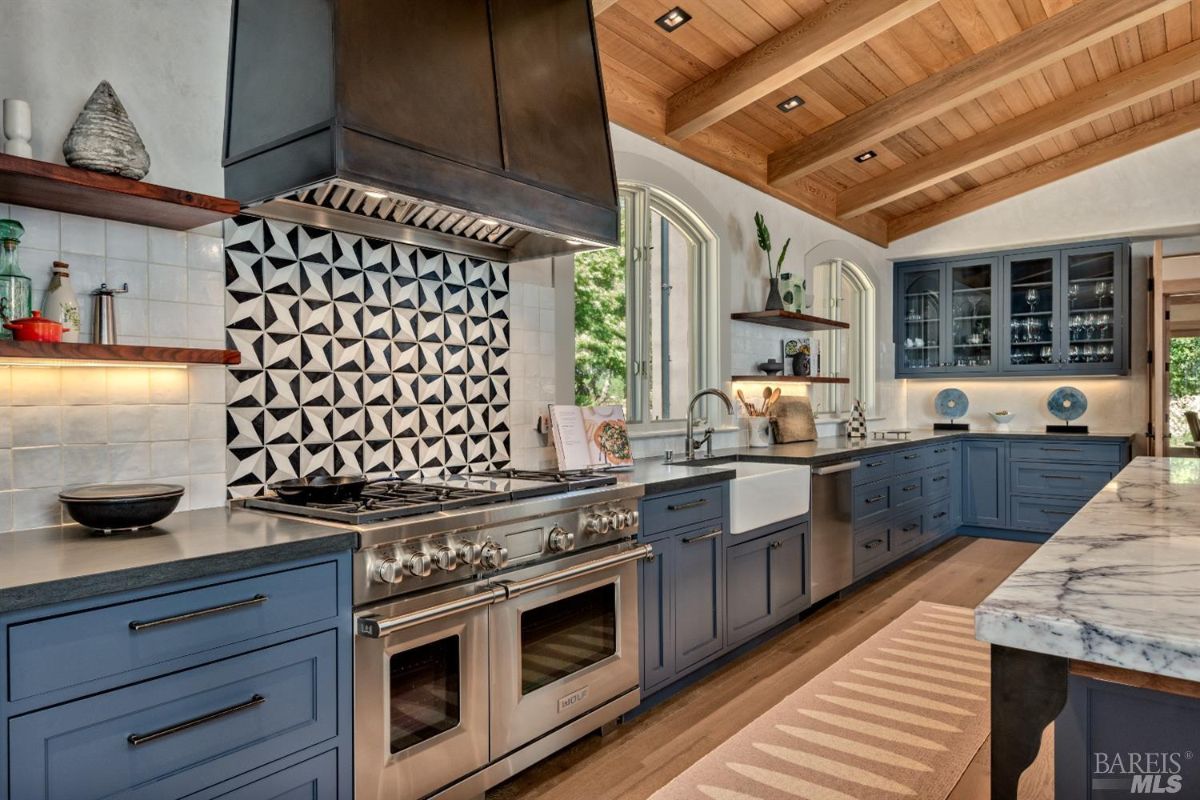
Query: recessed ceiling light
x=791 y=104
x=673 y=19
x=376 y=195
x=867 y=156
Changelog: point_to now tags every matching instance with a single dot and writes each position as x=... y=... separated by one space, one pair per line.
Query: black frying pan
x=320 y=489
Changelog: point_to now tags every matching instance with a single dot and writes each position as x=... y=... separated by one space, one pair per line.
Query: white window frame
x=643 y=278
x=832 y=278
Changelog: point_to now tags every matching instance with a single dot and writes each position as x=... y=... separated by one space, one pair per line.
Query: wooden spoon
x=774 y=399
x=742 y=399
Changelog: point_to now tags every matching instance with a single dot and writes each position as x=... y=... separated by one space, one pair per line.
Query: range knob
x=630 y=518
x=419 y=565
x=560 y=540
x=597 y=524
x=615 y=520
x=494 y=556
x=469 y=553
x=445 y=559
x=388 y=571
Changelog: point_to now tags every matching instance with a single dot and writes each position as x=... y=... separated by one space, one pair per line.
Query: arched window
x=843 y=291
x=646 y=311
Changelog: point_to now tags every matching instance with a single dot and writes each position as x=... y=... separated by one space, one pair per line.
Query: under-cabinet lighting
x=791 y=104
x=867 y=156
x=488 y=223
x=72 y=362
x=673 y=19
x=374 y=195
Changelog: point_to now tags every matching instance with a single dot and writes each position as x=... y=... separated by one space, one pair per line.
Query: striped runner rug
x=901 y=715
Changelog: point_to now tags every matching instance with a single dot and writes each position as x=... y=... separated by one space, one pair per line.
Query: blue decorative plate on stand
x=952 y=404
x=1068 y=404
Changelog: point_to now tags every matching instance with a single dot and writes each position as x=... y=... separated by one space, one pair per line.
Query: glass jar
x=16 y=290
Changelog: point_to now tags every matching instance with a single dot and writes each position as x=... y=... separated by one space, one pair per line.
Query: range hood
x=475 y=126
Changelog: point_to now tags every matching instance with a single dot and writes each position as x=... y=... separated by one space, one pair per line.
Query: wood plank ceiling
x=964 y=102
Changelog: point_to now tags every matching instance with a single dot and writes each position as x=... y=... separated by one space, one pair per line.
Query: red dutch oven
x=36 y=329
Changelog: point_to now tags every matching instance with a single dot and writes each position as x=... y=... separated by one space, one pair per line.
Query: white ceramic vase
x=760 y=431
x=61 y=303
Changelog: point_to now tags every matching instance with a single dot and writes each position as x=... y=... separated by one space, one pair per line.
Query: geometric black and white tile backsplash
x=361 y=356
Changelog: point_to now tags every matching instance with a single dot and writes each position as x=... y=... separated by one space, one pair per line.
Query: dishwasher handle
x=833 y=469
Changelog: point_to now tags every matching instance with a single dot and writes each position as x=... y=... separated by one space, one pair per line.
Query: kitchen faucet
x=692 y=443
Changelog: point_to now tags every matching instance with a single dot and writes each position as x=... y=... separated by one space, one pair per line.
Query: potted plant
x=774 y=266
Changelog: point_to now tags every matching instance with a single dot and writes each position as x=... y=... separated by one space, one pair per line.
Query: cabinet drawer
x=906 y=532
x=174 y=735
x=685 y=508
x=910 y=460
x=940 y=454
x=937 y=518
x=873 y=467
x=908 y=489
x=1076 y=480
x=1041 y=514
x=871 y=502
x=59 y=652
x=937 y=481
x=314 y=779
x=1096 y=452
x=870 y=551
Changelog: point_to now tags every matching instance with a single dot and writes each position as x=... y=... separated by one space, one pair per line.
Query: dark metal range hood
x=475 y=126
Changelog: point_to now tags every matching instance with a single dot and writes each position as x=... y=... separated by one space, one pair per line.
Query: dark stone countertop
x=52 y=565
x=659 y=478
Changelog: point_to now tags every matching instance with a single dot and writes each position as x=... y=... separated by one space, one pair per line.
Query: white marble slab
x=1119 y=584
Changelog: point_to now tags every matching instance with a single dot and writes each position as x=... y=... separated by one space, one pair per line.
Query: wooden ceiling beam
x=1080 y=26
x=1141 y=82
x=815 y=40
x=1119 y=144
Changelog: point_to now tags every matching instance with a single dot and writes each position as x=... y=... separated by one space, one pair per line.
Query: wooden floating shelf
x=790 y=319
x=40 y=184
x=116 y=353
x=789 y=379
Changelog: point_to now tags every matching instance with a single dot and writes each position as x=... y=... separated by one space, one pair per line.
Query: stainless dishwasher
x=832 y=547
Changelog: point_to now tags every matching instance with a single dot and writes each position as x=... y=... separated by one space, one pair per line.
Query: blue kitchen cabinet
x=202 y=688
x=1032 y=311
x=657 y=624
x=699 y=594
x=985 y=483
x=766 y=580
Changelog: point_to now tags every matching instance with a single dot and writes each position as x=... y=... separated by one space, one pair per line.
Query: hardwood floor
x=646 y=753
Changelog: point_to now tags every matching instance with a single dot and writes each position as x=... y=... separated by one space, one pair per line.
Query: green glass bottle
x=16 y=290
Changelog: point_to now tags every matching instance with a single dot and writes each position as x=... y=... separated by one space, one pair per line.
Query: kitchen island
x=1102 y=618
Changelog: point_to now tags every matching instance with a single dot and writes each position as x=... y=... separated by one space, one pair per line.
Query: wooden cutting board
x=792 y=420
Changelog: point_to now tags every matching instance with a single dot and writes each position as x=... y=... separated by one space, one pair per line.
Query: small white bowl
x=1001 y=419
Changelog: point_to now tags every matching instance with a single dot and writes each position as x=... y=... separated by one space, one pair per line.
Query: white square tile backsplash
x=61 y=426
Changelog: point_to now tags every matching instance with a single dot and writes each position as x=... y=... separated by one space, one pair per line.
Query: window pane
x=601 y=349
x=671 y=271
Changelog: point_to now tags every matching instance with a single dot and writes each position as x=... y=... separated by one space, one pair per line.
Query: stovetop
x=397 y=498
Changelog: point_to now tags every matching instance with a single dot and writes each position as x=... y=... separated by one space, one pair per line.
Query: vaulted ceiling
x=963 y=102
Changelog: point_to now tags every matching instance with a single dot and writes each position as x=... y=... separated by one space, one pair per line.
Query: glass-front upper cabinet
x=973 y=310
x=1032 y=302
x=919 y=320
x=1094 y=322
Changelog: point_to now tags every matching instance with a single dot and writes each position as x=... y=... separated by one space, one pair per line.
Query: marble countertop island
x=1119 y=584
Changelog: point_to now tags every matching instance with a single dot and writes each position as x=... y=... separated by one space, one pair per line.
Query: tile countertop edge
x=1117 y=585
x=261 y=541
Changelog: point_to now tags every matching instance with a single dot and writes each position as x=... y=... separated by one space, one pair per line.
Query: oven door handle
x=381 y=627
x=517 y=588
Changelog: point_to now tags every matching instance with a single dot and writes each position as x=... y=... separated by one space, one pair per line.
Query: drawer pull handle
x=912 y=487
x=141 y=738
x=204 y=612
x=685 y=506
x=939 y=515
x=872 y=544
x=876 y=498
x=1061 y=449
x=775 y=545
x=911 y=456
x=940 y=449
x=939 y=479
x=912 y=527
x=876 y=463
x=1063 y=477
x=714 y=533
x=1057 y=512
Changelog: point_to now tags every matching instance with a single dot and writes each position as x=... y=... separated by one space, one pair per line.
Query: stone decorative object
x=103 y=138
x=18 y=128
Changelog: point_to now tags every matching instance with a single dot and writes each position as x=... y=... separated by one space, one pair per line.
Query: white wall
x=165 y=59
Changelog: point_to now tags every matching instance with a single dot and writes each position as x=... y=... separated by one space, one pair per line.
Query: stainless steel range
x=496 y=620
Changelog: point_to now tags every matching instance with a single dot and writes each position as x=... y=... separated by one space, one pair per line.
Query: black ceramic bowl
x=109 y=507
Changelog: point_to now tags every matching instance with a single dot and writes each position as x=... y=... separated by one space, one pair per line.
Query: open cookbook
x=590 y=438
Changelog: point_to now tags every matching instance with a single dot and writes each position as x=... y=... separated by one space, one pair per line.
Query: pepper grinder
x=104 y=313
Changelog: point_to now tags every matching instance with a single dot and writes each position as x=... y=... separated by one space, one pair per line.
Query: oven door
x=564 y=641
x=421 y=693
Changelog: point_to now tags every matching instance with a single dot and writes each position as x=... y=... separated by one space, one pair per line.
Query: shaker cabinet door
x=699 y=594
x=985 y=489
x=655 y=575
